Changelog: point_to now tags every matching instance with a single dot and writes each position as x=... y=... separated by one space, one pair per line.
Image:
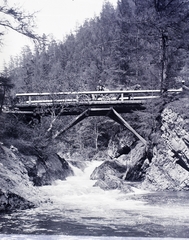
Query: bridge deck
x=85 y=104
x=73 y=103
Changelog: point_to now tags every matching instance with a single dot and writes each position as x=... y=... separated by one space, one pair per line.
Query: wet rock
x=102 y=184
x=48 y=169
x=135 y=162
x=10 y=201
x=108 y=175
x=109 y=182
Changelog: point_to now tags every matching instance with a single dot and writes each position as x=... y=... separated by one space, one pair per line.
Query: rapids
x=75 y=208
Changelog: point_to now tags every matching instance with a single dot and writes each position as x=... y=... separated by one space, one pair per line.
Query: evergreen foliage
x=139 y=42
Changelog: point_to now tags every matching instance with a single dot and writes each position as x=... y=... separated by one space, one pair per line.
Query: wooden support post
x=72 y=123
x=77 y=98
x=118 y=118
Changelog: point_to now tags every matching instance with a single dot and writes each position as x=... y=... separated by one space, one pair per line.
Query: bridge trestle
x=109 y=112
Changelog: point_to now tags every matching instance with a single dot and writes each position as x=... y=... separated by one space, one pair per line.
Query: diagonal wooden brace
x=110 y=112
x=73 y=123
x=118 y=118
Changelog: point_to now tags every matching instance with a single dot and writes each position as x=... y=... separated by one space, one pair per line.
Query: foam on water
x=78 y=208
x=78 y=191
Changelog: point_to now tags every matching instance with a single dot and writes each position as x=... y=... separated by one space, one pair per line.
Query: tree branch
x=17 y=20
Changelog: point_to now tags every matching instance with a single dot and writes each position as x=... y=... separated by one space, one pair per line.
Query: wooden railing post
x=29 y=100
x=121 y=97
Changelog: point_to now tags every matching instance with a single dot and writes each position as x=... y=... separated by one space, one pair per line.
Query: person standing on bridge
x=100 y=86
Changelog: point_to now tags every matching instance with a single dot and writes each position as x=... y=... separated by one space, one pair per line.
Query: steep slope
x=169 y=169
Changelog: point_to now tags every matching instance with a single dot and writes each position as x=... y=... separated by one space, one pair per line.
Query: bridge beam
x=73 y=123
x=118 y=118
x=110 y=112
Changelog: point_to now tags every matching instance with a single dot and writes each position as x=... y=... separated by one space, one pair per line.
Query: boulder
x=108 y=168
x=48 y=169
x=135 y=162
x=10 y=201
x=109 y=182
x=130 y=167
x=108 y=175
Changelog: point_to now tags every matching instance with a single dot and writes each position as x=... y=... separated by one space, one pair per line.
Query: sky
x=54 y=17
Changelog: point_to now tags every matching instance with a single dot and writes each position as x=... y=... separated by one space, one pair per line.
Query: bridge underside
x=76 y=109
x=109 y=112
x=110 y=109
x=85 y=104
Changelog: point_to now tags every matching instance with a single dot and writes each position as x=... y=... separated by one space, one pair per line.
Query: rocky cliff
x=169 y=169
x=20 y=174
x=163 y=166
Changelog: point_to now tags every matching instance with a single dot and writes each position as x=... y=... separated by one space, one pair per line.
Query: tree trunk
x=164 y=41
x=2 y=98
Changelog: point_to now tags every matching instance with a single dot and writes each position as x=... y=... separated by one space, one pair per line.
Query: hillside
x=141 y=43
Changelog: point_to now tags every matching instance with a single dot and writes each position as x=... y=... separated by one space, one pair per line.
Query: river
x=77 y=210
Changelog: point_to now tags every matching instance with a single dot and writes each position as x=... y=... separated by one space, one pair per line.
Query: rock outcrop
x=169 y=169
x=20 y=174
x=131 y=167
x=163 y=166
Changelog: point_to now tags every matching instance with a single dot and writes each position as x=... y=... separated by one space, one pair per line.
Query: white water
x=78 y=192
x=78 y=208
x=77 y=200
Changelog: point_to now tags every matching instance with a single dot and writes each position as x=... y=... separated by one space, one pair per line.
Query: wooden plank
x=72 y=123
x=88 y=92
x=112 y=114
x=126 y=124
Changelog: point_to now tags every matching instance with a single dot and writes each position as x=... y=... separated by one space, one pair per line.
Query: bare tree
x=16 y=19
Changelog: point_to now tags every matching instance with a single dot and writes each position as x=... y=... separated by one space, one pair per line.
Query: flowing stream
x=78 y=209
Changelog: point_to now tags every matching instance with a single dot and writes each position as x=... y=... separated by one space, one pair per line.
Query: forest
x=138 y=42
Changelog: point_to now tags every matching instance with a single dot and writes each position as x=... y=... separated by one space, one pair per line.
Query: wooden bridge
x=84 y=104
x=74 y=103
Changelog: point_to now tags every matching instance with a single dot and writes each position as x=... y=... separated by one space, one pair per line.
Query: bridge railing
x=89 y=96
